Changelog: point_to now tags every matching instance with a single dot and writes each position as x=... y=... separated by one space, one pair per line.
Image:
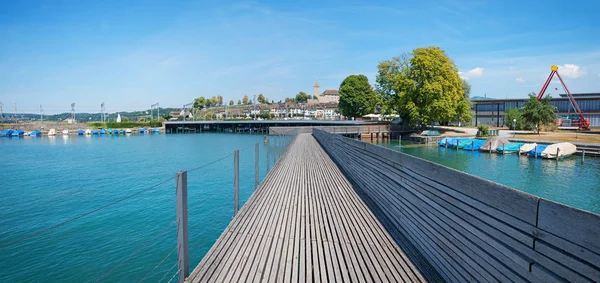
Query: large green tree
x=357 y=97
x=245 y=100
x=535 y=112
x=513 y=114
x=261 y=99
x=199 y=102
x=231 y=102
x=302 y=97
x=423 y=87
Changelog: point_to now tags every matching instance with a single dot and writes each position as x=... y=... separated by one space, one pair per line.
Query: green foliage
x=200 y=102
x=261 y=99
x=535 y=112
x=302 y=97
x=245 y=100
x=266 y=116
x=484 y=130
x=231 y=102
x=167 y=116
x=424 y=87
x=513 y=114
x=466 y=86
x=219 y=100
x=239 y=102
x=357 y=97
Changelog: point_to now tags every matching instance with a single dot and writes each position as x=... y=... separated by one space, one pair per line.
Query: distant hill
x=481 y=98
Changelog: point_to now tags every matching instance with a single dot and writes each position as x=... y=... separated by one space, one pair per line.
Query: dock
x=305 y=223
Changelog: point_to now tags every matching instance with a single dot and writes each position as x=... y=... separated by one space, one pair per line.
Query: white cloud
x=571 y=71
x=477 y=72
x=520 y=80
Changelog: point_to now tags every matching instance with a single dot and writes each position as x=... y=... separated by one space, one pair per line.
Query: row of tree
x=202 y=102
x=532 y=115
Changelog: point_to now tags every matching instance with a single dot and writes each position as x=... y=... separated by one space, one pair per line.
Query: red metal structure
x=583 y=123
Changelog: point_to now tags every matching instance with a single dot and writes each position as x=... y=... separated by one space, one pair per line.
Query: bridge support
x=182 y=226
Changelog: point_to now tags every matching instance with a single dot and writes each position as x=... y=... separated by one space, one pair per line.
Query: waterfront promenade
x=305 y=223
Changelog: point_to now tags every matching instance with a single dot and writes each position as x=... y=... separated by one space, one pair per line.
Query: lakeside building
x=328 y=96
x=491 y=111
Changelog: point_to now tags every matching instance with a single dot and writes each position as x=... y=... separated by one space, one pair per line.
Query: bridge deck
x=305 y=223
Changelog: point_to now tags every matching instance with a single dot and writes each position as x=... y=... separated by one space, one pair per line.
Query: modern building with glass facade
x=491 y=111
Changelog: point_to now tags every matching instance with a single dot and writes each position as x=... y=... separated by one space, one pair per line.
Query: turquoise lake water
x=49 y=180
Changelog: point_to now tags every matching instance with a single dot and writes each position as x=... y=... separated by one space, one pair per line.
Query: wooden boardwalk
x=305 y=223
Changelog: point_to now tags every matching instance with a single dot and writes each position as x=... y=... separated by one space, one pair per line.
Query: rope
x=137 y=251
x=159 y=264
x=83 y=215
x=169 y=271
x=174 y=275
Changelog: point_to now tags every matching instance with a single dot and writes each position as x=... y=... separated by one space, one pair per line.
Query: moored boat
x=527 y=147
x=474 y=145
x=88 y=132
x=559 y=150
x=128 y=131
x=7 y=133
x=65 y=132
x=509 y=148
x=17 y=133
x=95 y=132
x=80 y=132
x=115 y=132
x=464 y=142
x=537 y=151
x=492 y=143
x=36 y=133
x=102 y=131
x=52 y=132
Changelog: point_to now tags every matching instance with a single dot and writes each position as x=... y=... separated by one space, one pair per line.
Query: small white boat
x=52 y=132
x=527 y=147
x=65 y=132
x=128 y=131
x=559 y=150
x=88 y=132
x=27 y=134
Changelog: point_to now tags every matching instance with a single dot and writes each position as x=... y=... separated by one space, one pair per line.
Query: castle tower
x=316 y=91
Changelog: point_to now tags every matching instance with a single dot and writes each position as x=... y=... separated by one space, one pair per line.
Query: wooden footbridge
x=305 y=223
x=334 y=209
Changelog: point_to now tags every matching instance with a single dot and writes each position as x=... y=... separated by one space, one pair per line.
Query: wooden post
x=503 y=150
x=256 y=166
x=456 y=144
x=583 y=156
x=472 y=146
x=446 y=143
x=268 y=154
x=182 y=225
x=535 y=152
x=557 y=153
x=236 y=181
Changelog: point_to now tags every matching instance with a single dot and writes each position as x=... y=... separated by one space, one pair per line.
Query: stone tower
x=316 y=91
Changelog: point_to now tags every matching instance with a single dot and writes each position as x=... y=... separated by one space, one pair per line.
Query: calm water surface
x=49 y=180
x=566 y=181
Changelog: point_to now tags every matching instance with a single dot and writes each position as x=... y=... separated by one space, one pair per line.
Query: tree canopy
x=357 y=97
x=239 y=102
x=199 y=102
x=231 y=102
x=245 y=100
x=219 y=100
x=302 y=97
x=261 y=99
x=537 y=112
x=424 y=87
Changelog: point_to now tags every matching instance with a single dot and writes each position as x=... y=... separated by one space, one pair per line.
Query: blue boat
x=36 y=133
x=442 y=142
x=6 y=133
x=156 y=130
x=18 y=133
x=474 y=145
x=115 y=132
x=102 y=131
x=95 y=132
x=537 y=151
x=452 y=142
x=80 y=132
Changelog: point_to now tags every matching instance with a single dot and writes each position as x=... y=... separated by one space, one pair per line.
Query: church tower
x=316 y=91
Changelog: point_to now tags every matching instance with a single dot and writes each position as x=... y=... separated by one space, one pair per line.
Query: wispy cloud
x=571 y=71
x=520 y=80
x=473 y=73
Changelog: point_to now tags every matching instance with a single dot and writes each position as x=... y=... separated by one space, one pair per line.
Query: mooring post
x=400 y=140
x=503 y=150
x=557 y=153
x=256 y=166
x=236 y=181
x=582 y=156
x=268 y=154
x=457 y=144
x=535 y=152
x=472 y=146
x=182 y=225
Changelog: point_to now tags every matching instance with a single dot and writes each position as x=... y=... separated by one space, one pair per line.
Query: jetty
x=305 y=223
x=341 y=210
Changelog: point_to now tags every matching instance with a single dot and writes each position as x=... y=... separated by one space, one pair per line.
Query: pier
x=305 y=223
x=341 y=210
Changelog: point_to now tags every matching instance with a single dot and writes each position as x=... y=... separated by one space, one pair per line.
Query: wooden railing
x=463 y=228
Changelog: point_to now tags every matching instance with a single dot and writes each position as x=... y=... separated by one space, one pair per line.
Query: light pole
x=514 y=127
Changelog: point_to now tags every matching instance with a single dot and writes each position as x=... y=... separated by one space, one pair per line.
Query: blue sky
x=132 y=54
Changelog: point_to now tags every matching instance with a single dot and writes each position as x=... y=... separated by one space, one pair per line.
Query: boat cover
x=527 y=147
x=564 y=149
x=537 y=150
x=493 y=143
x=474 y=145
x=510 y=147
